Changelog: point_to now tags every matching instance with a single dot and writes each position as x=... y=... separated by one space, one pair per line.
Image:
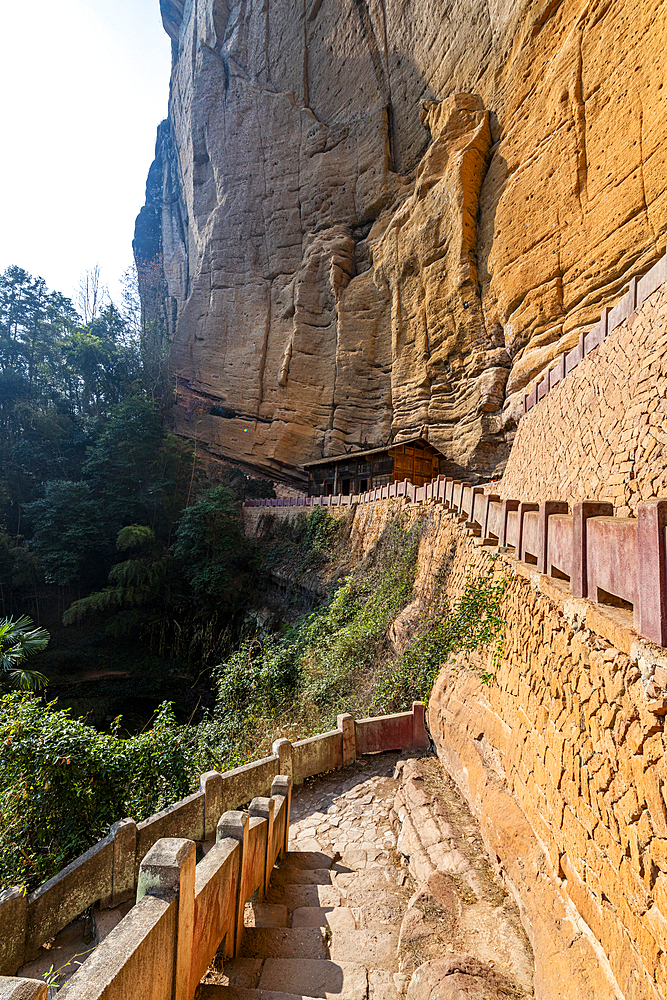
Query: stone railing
x=638 y=292
x=184 y=911
x=416 y=494
x=620 y=561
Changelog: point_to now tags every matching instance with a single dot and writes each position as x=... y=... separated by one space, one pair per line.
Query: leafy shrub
x=62 y=783
x=472 y=621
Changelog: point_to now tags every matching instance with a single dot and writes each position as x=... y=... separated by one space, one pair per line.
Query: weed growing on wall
x=472 y=621
x=301 y=542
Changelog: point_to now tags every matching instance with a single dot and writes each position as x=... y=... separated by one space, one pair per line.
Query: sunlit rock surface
x=383 y=217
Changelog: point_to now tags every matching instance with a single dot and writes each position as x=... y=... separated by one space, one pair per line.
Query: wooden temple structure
x=415 y=460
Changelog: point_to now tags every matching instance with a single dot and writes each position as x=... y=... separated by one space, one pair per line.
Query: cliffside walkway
x=361 y=876
x=329 y=925
x=349 y=916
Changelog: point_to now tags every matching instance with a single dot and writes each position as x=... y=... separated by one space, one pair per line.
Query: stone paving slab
x=379 y=948
x=265 y=915
x=324 y=979
x=216 y=992
x=301 y=876
x=310 y=860
x=378 y=894
x=340 y=918
x=295 y=896
x=242 y=972
x=385 y=985
x=284 y=942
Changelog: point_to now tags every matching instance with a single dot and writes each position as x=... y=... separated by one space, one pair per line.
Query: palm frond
x=28 y=680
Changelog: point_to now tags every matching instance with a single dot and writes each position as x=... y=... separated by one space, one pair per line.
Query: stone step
x=242 y=973
x=378 y=948
x=328 y=980
x=211 y=992
x=284 y=942
x=265 y=915
x=311 y=860
x=295 y=896
x=381 y=900
x=301 y=876
x=339 y=918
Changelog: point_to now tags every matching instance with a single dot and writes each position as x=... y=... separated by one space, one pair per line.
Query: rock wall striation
x=375 y=217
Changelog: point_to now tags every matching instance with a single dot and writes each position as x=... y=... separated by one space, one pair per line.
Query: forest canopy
x=85 y=453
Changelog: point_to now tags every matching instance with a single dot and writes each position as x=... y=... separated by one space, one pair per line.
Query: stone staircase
x=385 y=893
x=327 y=929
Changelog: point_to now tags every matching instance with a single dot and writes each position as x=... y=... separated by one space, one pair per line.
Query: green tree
x=20 y=573
x=213 y=550
x=67 y=531
x=129 y=469
x=148 y=577
x=20 y=640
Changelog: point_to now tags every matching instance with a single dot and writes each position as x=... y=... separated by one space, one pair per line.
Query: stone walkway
x=349 y=916
x=331 y=921
x=349 y=813
x=386 y=893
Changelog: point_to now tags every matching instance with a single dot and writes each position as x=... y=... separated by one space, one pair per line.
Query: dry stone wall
x=564 y=764
x=600 y=434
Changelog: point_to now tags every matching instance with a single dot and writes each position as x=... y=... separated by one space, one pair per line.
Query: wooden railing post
x=651 y=529
x=547 y=507
x=283 y=750
x=211 y=784
x=345 y=723
x=265 y=807
x=124 y=860
x=282 y=785
x=580 y=515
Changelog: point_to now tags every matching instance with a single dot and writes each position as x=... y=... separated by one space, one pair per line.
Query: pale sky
x=84 y=84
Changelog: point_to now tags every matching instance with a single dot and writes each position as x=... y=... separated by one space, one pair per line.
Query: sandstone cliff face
x=383 y=216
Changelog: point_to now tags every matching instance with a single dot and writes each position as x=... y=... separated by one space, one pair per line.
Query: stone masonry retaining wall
x=613 y=560
x=601 y=432
x=562 y=759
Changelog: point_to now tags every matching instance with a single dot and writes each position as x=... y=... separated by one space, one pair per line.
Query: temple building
x=415 y=460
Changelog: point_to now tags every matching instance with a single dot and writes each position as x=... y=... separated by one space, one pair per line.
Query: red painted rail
x=611 y=560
